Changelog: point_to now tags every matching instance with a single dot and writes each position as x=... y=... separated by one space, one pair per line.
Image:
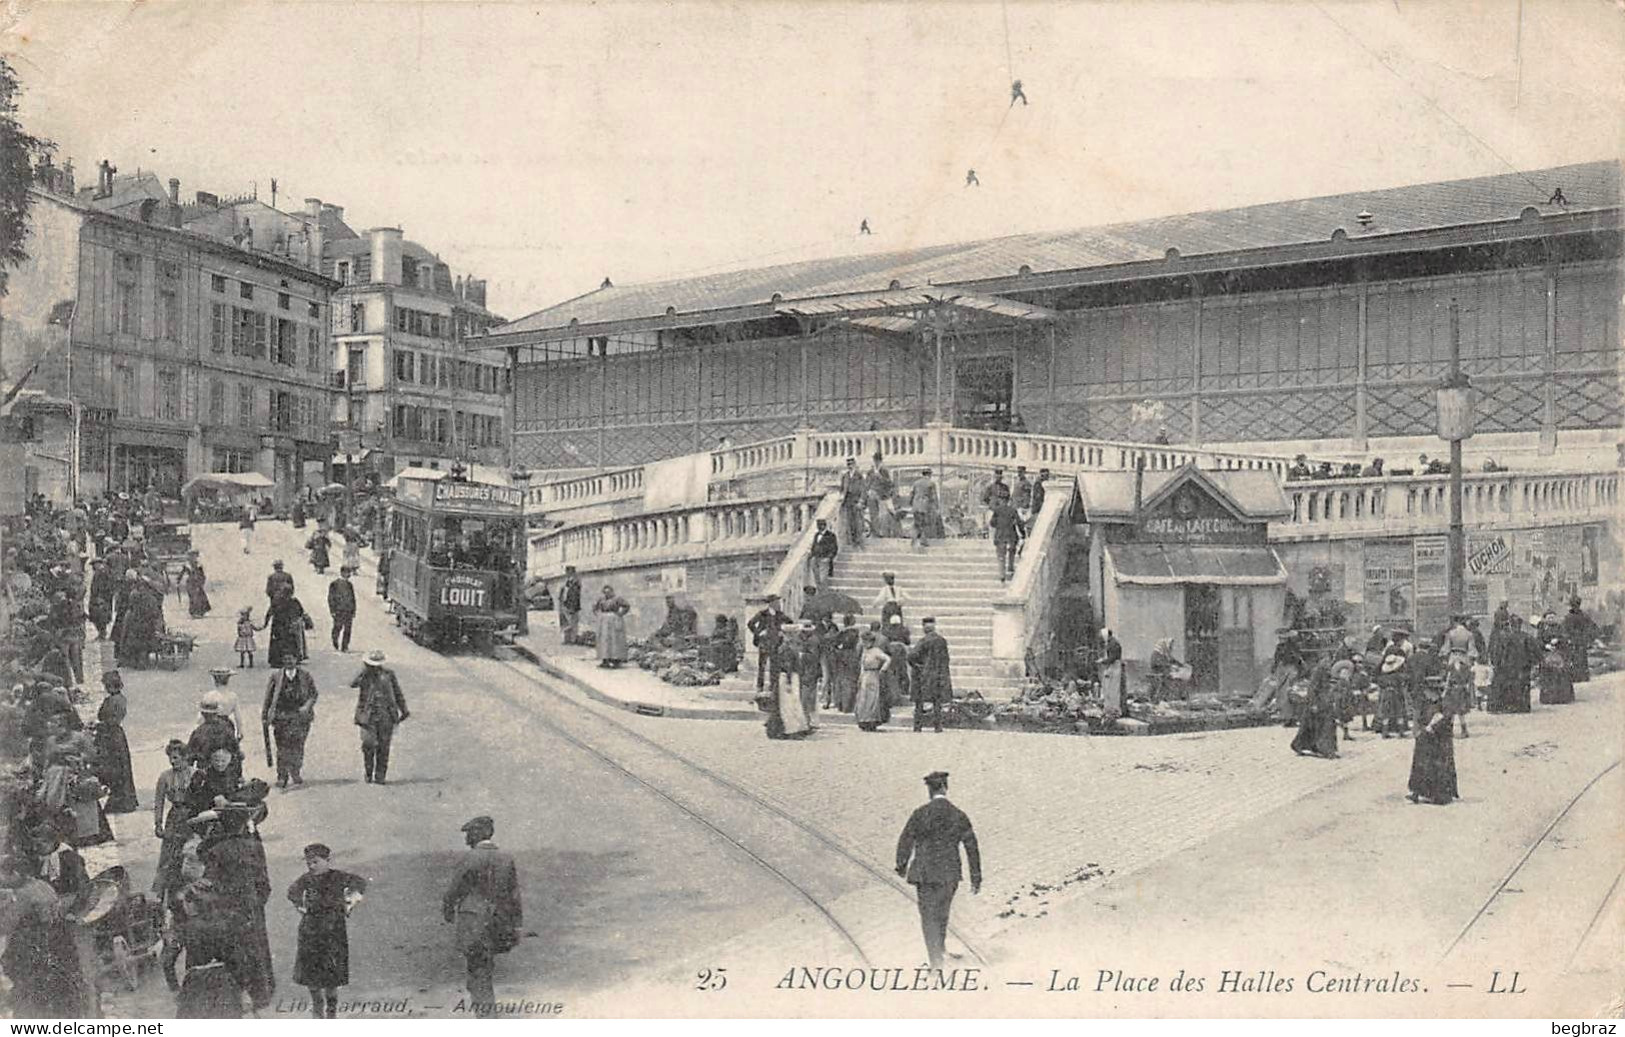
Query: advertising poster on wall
x=1390 y=573
x=1432 y=584
x=1552 y=558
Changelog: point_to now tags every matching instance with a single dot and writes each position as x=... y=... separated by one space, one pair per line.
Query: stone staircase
x=954 y=580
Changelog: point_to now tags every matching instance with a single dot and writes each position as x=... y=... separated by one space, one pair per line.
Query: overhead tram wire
x=1431 y=103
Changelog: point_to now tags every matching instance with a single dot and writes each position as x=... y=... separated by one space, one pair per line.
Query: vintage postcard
x=828 y=510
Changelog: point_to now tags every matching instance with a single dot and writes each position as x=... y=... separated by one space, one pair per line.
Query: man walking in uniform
x=341 y=606
x=484 y=902
x=378 y=709
x=928 y=857
x=1008 y=532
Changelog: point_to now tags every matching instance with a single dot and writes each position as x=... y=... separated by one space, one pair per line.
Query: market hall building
x=1322 y=322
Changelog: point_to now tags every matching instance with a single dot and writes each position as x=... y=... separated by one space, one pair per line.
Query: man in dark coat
x=278 y=583
x=1424 y=665
x=42 y=958
x=289 y=710
x=484 y=902
x=824 y=549
x=1038 y=491
x=854 y=492
x=341 y=606
x=767 y=634
x=215 y=731
x=928 y=658
x=1008 y=532
x=1579 y=631
x=379 y=708
x=928 y=857
x=682 y=621
x=570 y=604
x=103 y=585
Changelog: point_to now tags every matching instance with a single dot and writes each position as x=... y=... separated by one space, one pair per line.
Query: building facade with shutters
x=182 y=353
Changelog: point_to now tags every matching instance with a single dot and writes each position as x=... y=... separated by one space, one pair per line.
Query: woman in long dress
x=871 y=702
x=171 y=816
x=1433 y=760
x=1317 y=726
x=288 y=622
x=610 y=612
x=844 y=651
x=113 y=748
x=1556 y=685
x=139 y=622
x=785 y=717
x=197 y=595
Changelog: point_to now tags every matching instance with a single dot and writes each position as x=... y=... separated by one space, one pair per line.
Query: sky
x=545 y=148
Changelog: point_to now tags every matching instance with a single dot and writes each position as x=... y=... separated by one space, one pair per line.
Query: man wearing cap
x=878 y=490
x=767 y=634
x=1021 y=494
x=379 y=707
x=996 y=490
x=341 y=606
x=928 y=857
x=279 y=583
x=854 y=490
x=570 y=604
x=932 y=682
x=288 y=711
x=484 y=902
x=1008 y=531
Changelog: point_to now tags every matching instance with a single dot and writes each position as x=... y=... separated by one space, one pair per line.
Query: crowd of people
x=875 y=503
x=211 y=887
x=1301 y=468
x=1427 y=688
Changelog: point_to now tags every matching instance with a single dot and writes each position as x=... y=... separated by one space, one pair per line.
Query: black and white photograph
x=772 y=509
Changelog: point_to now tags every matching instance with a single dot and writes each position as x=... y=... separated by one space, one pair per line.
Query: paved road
x=1201 y=842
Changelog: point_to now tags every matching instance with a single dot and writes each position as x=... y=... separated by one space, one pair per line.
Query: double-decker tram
x=456 y=560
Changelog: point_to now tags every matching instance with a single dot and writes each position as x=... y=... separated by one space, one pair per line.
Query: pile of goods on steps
x=679 y=666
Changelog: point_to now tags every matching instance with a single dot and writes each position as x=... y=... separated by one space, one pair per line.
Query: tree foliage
x=19 y=152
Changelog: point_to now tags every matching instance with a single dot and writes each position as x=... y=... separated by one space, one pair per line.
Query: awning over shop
x=1167 y=564
x=358 y=456
x=476 y=473
x=228 y=482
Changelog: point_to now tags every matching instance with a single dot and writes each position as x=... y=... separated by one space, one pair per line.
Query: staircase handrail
x=790 y=576
x=1021 y=613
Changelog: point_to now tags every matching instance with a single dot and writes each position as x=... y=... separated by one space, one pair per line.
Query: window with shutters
x=169 y=312
x=219 y=327
x=169 y=395
x=124 y=390
x=283 y=301
x=313 y=310
x=245 y=406
x=217 y=282
x=217 y=402
x=262 y=334
x=358 y=316
x=313 y=350
x=245 y=290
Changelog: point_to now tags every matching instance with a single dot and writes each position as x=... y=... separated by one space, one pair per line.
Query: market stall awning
x=1167 y=564
x=229 y=482
x=476 y=473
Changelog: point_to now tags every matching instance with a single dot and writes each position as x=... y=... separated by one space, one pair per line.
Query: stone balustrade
x=1400 y=505
x=586 y=490
x=1026 y=612
x=740 y=526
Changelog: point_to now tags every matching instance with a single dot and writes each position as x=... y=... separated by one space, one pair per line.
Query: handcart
x=174 y=651
x=126 y=929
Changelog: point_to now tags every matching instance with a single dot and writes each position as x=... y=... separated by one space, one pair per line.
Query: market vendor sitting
x=1162 y=667
x=682 y=622
x=721 y=651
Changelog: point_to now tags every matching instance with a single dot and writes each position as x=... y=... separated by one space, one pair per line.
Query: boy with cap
x=928 y=858
x=484 y=902
x=324 y=898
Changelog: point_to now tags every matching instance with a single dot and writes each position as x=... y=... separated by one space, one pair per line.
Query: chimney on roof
x=332 y=213
x=174 y=190
x=457 y=287
x=474 y=290
x=209 y=199
x=104 y=178
x=1139 y=486
x=607 y=284
x=1364 y=218
x=386 y=255
x=315 y=237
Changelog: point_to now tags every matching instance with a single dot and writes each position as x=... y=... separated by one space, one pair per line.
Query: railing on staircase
x=793 y=573
x=1025 y=612
x=679 y=534
x=1405 y=505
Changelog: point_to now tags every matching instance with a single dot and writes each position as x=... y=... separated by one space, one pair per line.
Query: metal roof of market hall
x=1343 y=224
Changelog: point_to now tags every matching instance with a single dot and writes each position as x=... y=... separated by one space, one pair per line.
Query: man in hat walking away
x=287 y=713
x=379 y=707
x=279 y=584
x=925 y=507
x=932 y=683
x=484 y=902
x=341 y=606
x=570 y=604
x=928 y=857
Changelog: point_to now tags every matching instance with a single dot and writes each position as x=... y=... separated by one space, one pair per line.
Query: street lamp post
x=1455 y=414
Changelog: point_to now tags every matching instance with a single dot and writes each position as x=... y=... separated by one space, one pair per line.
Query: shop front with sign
x=1183 y=555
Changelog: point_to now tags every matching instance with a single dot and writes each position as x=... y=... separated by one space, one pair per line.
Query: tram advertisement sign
x=476 y=494
x=466 y=592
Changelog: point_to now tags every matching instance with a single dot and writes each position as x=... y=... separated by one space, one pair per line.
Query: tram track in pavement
x=1544 y=839
x=859 y=902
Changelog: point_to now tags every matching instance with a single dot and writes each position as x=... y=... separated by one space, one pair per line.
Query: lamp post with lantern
x=1454 y=398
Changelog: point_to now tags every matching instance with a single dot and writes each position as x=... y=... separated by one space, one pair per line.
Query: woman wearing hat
x=113 y=749
x=1433 y=757
x=324 y=898
x=1317 y=728
x=288 y=622
x=140 y=619
x=71 y=792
